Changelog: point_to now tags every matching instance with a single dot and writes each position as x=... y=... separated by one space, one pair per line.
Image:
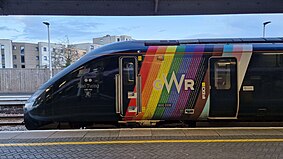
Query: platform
x=245 y=142
x=142 y=132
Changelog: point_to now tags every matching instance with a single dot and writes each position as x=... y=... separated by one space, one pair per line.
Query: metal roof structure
x=138 y=7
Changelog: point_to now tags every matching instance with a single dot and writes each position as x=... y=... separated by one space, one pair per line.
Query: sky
x=81 y=29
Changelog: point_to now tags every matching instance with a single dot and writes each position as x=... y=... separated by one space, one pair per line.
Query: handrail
x=118 y=95
x=139 y=92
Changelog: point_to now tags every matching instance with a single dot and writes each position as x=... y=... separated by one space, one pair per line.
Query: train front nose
x=30 y=121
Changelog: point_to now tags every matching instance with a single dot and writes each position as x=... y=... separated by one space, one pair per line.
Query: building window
x=15 y=57
x=36 y=48
x=22 y=50
x=53 y=49
x=118 y=39
x=23 y=66
x=3 y=56
x=22 y=59
x=14 y=47
x=37 y=57
x=2 y=47
x=45 y=58
x=15 y=66
x=44 y=49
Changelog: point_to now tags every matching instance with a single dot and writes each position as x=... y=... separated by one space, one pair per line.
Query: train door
x=128 y=92
x=223 y=91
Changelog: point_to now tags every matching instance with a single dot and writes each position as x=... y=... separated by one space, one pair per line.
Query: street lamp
x=50 y=60
x=264 y=24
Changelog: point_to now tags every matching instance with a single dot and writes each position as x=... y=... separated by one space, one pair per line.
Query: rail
x=6 y=100
x=9 y=102
x=16 y=119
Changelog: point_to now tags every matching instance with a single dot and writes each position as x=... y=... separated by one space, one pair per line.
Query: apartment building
x=25 y=55
x=57 y=55
x=32 y=55
x=88 y=47
x=111 y=39
x=6 y=60
x=76 y=51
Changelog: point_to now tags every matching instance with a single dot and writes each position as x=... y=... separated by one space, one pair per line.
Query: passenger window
x=266 y=60
x=280 y=59
x=130 y=72
x=222 y=75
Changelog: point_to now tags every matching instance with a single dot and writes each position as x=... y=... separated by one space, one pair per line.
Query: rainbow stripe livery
x=177 y=63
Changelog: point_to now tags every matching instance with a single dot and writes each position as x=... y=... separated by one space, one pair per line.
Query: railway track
x=11 y=109
x=11 y=119
x=13 y=99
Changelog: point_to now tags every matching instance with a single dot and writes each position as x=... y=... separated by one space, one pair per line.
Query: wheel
x=78 y=125
x=191 y=124
x=75 y=125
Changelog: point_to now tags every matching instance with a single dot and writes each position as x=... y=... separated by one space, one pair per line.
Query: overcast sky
x=82 y=29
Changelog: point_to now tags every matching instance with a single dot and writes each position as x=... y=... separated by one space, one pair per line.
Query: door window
x=222 y=75
x=130 y=71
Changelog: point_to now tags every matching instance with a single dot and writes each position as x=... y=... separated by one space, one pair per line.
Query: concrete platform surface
x=145 y=143
x=143 y=132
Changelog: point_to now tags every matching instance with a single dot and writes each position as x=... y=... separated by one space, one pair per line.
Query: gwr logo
x=189 y=83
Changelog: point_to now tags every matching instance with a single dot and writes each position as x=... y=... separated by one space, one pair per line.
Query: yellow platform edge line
x=141 y=142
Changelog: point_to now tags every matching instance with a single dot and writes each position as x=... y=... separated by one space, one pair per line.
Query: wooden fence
x=23 y=80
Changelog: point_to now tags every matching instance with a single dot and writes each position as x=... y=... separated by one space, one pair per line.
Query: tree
x=58 y=56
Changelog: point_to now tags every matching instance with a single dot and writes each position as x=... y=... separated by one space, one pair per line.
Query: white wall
x=8 y=53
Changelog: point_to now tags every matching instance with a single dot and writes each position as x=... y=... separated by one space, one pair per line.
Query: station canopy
x=138 y=7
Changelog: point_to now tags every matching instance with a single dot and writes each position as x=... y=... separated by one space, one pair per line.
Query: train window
x=130 y=72
x=83 y=71
x=265 y=60
x=222 y=75
x=280 y=59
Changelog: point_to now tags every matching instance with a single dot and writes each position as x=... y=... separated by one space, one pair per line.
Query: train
x=150 y=81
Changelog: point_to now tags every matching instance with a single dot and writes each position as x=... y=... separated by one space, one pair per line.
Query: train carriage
x=151 y=81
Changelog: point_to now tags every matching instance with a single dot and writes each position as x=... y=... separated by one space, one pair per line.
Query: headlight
x=30 y=102
x=28 y=106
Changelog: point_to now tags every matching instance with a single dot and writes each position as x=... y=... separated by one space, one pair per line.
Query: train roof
x=216 y=41
x=128 y=46
x=233 y=40
x=139 y=44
